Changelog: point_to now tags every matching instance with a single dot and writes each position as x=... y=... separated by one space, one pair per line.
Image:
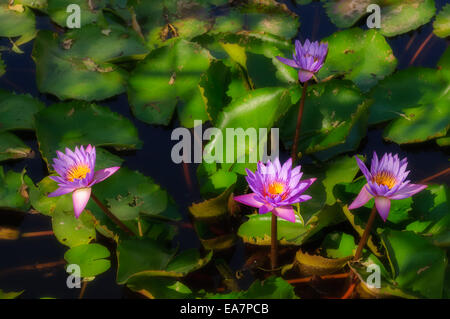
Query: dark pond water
x=154 y=160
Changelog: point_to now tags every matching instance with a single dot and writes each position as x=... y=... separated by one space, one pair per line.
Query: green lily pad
x=10 y=295
x=317 y=265
x=345 y=13
x=71 y=231
x=338 y=245
x=443 y=141
x=417 y=265
x=213 y=87
x=90 y=11
x=331 y=110
x=392 y=95
x=48 y=205
x=444 y=65
x=150 y=258
x=259 y=17
x=397 y=17
x=430 y=211
x=118 y=44
x=387 y=289
x=75 y=123
x=215 y=181
x=184 y=28
x=12 y=147
x=359 y=224
x=441 y=26
x=212 y=208
x=90 y=257
x=159 y=287
x=173 y=73
x=257 y=229
x=36 y=4
x=130 y=193
x=363 y=57
x=255 y=53
x=14 y=194
x=271 y=288
x=341 y=170
x=260 y=108
x=17 y=111
x=16 y=20
x=420 y=123
x=354 y=138
x=402 y=17
x=69 y=77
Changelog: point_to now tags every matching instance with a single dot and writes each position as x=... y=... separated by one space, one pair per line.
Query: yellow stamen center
x=384 y=178
x=77 y=172
x=276 y=188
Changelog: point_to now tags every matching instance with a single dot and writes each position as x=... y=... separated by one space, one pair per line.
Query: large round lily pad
x=361 y=56
x=397 y=16
x=77 y=123
x=168 y=77
x=417 y=266
x=66 y=76
x=91 y=258
x=90 y=11
x=331 y=110
x=150 y=258
x=16 y=20
x=17 y=111
x=14 y=190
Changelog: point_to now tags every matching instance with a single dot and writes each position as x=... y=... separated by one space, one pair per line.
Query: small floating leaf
x=90 y=257
x=441 y=25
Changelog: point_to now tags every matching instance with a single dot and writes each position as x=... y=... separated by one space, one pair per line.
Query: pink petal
x=363 y=197
x=103 y=174
x=289 y=62
x=248 y=199
x=363 y=168
x=408 y=191
x=285 y=212
x=304 y=76
x=61 y=191
x=80 y=199
x=265 y=209
x=383 y=206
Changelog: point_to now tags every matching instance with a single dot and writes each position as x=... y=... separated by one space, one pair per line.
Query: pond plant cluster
x=231 y=64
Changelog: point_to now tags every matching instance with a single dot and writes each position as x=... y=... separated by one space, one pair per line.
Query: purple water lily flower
x=76 y=174
x=308 y=58
x=385 y=181
x=275 y=188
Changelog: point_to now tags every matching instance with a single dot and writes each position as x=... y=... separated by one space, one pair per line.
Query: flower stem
x=274 y=243
x=365 y=235
x=112 y=216
x=299 y=123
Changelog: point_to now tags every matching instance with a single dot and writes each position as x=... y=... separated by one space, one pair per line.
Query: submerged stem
x=112 y=216
x=274 y=243
x=365 y=235
x=299 y=123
